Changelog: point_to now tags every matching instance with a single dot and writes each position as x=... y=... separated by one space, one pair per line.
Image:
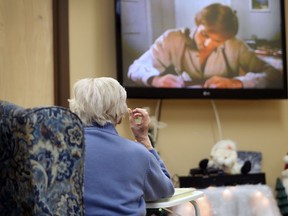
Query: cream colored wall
x=192 y=128
x=92 y=43
x=26 y=52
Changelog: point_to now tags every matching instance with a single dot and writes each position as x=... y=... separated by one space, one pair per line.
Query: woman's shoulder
x=134 y=145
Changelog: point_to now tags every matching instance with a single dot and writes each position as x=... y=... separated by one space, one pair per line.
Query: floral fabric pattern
x=41 y=161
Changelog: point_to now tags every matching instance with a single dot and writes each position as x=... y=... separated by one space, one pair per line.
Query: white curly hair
x=101 y=100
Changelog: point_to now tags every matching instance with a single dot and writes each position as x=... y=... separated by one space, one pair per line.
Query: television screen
x=230 y=49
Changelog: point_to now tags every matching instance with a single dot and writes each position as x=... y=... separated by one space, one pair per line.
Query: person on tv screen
x=211 y=56
x=119 y=174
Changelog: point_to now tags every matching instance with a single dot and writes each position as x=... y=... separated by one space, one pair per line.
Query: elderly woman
x=120 y=174
x=210 y=56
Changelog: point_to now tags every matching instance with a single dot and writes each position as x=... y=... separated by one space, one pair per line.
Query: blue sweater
x=121 y=174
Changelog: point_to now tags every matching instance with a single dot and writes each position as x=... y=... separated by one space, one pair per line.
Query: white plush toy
x=224 y=156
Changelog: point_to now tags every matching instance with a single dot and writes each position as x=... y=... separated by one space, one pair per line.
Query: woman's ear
x=119 y=121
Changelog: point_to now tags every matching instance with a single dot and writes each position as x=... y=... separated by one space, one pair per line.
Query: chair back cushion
x=41 y=161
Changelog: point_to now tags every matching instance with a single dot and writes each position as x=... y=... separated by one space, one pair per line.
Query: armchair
x=41 y=161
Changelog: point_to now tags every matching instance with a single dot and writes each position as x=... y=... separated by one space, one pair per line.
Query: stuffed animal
x=224 y=157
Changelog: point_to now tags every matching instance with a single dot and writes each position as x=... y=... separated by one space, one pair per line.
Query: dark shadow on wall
x=61 y=52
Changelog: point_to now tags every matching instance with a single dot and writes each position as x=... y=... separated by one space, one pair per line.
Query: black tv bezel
x=195 y=93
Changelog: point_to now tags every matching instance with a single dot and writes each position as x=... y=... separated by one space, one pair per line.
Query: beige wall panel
x=26 y=52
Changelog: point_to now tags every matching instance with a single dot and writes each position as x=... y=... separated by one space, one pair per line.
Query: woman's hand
x=139 y=123
x=222 y=82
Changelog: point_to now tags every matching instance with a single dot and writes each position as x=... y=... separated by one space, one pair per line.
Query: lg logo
x=206 y=93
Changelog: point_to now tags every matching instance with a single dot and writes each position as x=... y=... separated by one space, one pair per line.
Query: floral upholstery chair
x=41 y=161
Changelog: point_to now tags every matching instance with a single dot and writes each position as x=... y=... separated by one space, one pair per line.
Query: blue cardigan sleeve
x=158 y=183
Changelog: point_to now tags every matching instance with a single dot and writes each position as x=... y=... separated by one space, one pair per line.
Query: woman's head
x=101 y=100
x=218 y=19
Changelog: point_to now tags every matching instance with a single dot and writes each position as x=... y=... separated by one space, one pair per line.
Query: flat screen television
x=158 y=39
